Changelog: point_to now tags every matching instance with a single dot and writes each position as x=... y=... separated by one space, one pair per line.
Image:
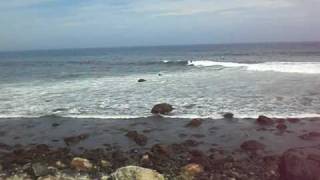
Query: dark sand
x=104 y=137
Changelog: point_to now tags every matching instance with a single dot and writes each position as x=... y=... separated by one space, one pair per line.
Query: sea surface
x=274 y=79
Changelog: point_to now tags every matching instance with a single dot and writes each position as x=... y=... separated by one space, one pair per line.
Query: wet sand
x=50 y=139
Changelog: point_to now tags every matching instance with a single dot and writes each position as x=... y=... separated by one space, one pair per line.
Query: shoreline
x=225 y=148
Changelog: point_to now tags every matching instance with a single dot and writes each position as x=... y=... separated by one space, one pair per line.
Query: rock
x=300 y=164
x=136 y=173
x=23 y=176
x=5 y=146
x=265 y=121
x=194 y=123
x=162 y=108
x=252 y=146
x=75 y=139
x=191 y=143
x=81 y=164
x=191 y=170
x=141 y=80
x=146 y=161
x=293 y=120
x=228 y=115
x=40 y=169
x=60 y=164
x=140 y=139
x=105 y=164
x=310 y=136
x=55 y=124
x=161 y=149
x=281 y=126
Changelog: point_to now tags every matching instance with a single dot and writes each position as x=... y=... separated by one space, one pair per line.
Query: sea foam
x=286 y=67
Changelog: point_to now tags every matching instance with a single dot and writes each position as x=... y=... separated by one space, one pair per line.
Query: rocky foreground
x=157 y=148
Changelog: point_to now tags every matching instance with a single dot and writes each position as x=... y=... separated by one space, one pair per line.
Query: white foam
x=183 y=116
x=286 y=67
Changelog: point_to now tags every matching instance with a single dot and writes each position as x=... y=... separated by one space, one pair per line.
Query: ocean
x=273 y=79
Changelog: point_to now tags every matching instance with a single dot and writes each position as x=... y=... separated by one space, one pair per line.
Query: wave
x=286 y=67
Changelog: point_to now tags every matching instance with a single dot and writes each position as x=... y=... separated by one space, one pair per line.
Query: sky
x=56 y=24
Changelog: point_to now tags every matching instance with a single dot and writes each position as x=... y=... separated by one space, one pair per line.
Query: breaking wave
x=286 y=67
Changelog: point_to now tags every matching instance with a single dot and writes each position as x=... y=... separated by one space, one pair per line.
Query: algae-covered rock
x=137 y=173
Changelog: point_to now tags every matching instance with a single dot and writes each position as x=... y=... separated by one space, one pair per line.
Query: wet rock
x=265 y=121
x=140 y=139
x=310 y=136
x=300 y=164
x=161 y=149
x=194 y=123
x=252 y=146
x=40 y=169
x=137 y=173
x=281 y=126
x=81 y=164
x=5 y=146
x=55 y=124
x=199 y=157
x=146 y=160
x=141 y=80
x=191 y=170
x=293 y=120
x=228 y=115
x=191 y=143
x=72 y=140
x=162 y=108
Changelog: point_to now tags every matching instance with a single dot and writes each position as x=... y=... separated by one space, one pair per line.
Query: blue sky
x=46 y=24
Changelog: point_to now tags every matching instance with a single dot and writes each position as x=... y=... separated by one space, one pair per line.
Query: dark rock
x=265 y=121
x=310 y=136
x=162 y=108
x=141 y=80
x=280 y=120
x=194 y=123
x=293 y=120
x=55 y=124
x=140 y=139
x=161 y=149
x=252 y=146
x=5 y=146
x=228 y=115
x=281 y=126
x=191 y=143
x=75 y=139
x=300 y=164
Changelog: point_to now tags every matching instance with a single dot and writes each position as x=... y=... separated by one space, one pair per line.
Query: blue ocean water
x=275 y=79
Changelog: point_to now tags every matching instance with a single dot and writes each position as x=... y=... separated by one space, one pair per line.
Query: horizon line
x=154 y=46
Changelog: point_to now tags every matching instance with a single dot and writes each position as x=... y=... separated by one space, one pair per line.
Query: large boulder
x=162 y=108
x=300 y=164
x=137 y=173
x=228 y=115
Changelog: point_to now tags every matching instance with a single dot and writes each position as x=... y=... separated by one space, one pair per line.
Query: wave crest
x=286 y=67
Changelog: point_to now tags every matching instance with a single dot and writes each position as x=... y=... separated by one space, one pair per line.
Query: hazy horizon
x=57 y=24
